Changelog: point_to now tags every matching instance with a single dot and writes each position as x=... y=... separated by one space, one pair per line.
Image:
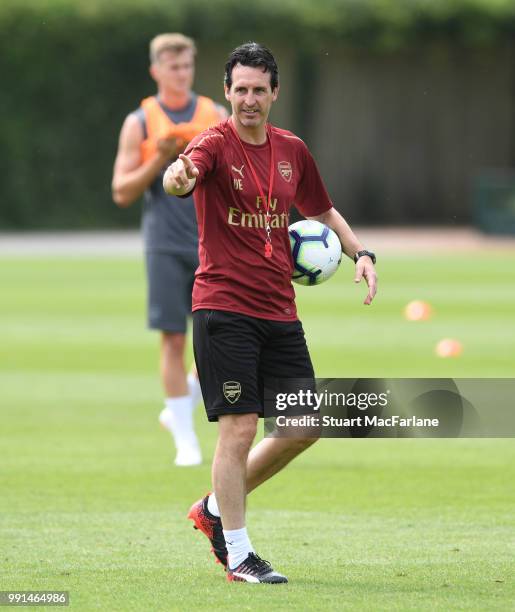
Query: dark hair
x=255 y=55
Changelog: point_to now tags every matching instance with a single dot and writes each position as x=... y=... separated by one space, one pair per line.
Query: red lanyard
x=268 y=240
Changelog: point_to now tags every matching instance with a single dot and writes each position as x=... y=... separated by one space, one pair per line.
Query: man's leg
x=173 y=371
x=227 y=348
x=267 y=458
x=177 y=416
x=236 y=473
x=236 y=434
x=270 y=456
x=229 y=471
x=167 y=312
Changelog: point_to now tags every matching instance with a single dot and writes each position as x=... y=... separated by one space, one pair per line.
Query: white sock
x=180 y=420
x=212 y=505
x=238 y=546
x=194 y=389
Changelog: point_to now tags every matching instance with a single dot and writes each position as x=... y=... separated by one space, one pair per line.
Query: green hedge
x=71 y=69
x=370 y=23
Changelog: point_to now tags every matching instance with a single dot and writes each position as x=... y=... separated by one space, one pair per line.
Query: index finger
x=189 y=166
x=186 y=161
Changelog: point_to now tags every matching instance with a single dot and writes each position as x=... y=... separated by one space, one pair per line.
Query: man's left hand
x=365 y=269
x=171 y=148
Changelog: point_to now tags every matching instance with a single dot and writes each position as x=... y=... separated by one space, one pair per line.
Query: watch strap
x=365 y=252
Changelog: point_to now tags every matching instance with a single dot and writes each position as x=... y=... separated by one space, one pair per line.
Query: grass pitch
x=91 y=503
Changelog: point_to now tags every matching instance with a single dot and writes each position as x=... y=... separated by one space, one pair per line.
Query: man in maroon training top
x=246 y=175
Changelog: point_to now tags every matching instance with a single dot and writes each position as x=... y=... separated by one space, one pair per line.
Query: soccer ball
x=316 y=252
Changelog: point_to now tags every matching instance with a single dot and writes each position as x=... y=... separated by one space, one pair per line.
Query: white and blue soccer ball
x=316 y=252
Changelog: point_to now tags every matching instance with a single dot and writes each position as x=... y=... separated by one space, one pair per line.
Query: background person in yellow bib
x=150 y=139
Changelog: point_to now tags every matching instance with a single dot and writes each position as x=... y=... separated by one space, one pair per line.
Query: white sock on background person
x=194 y=389
x=212 y=505
x=178 y=417
x=238 y=546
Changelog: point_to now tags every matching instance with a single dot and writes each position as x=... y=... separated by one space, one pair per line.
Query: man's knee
x=238 y=431
x=173 y=344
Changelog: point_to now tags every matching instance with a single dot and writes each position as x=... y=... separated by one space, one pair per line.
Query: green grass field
x=91 y=503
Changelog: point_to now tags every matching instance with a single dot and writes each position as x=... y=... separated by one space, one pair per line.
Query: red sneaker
x=211 y=527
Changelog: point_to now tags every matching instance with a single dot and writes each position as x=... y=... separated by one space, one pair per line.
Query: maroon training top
x=234 y=274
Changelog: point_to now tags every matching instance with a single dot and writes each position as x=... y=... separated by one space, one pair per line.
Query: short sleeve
x=311 y=198
x=203 y=151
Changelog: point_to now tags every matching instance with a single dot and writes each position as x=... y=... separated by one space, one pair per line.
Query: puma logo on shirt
x=238 y=171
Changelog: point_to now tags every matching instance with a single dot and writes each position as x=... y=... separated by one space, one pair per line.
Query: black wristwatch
x=361 y=253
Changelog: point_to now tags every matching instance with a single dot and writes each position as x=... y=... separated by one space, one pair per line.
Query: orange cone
x=418 y=311
x=449 y=347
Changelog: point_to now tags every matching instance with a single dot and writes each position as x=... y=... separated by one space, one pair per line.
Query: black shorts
x=235 y=354
x=170 y=279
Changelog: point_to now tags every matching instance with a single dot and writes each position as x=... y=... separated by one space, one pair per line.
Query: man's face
x=174 y=72
x=250 y=95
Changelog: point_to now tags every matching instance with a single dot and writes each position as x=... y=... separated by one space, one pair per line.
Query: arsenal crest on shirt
x=285 y=170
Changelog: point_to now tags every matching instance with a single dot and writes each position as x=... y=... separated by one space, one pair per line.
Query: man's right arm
x=131 y=176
